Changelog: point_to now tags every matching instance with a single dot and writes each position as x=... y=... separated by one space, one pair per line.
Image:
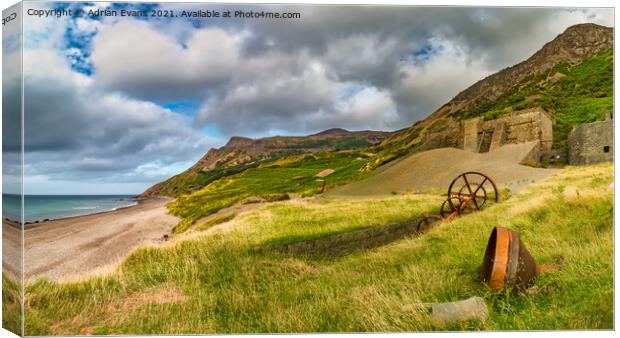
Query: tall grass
x=221 y=284
x=11 y=304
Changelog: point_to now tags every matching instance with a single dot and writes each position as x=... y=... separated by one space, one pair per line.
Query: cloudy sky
x=116 y=104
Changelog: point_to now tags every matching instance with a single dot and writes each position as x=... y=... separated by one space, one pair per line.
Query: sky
x=116 y=104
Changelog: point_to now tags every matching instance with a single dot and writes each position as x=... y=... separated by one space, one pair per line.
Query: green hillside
x=270 y=181
x=240 y=154
x=219 y=283
x=573 y=94
x=196 y=178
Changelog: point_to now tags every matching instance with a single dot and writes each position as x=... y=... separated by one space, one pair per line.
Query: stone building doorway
x=485 y=141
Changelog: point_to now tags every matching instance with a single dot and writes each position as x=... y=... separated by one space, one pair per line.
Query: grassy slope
x=385 y=153
x=196 y=178
x=221 y=284
x=11 y=304
x=584 y=95
x=293 y=174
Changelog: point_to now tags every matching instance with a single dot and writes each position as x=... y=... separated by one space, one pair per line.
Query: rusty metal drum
x=507 y=263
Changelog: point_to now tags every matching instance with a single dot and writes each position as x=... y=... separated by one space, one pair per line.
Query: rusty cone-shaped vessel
x=507 y=263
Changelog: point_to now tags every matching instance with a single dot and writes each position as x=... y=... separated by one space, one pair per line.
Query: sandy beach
x=73 y=247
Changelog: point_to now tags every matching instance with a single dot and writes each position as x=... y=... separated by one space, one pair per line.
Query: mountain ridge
x=241 y=153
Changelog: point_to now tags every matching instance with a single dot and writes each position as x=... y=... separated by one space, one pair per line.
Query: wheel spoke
x=471 y=193
x=481 y=184
x=467 y=183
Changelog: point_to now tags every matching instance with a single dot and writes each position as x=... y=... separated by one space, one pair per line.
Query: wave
x=124 y=206
x=84 y=208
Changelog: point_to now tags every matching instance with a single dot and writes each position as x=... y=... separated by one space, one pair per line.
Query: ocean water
x=40 y=207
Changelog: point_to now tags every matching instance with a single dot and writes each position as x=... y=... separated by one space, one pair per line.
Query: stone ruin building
x=528 y=125
x=479 y=135
x=591 y=143
x=587 y=144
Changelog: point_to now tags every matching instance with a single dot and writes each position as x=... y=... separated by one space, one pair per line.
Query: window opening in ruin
x=606 y=149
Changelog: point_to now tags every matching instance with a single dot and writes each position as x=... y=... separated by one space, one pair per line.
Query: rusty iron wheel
x=450 y=206
x=475 y=190
x=467 y=201
x=427 y=222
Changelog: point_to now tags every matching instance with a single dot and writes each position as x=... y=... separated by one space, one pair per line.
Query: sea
x=41 y=207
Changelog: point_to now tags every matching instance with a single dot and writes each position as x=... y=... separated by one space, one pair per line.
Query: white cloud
x=426 y=86
x=134 y=57
x=86 y=26
x=368 y=104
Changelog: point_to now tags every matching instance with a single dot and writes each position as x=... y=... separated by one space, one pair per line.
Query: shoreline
x=77 y=246
x=136 y=201
x=35 y=223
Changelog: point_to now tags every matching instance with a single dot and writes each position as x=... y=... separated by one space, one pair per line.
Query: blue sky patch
x=424 y=53
x=185 y=107
x=213 y=131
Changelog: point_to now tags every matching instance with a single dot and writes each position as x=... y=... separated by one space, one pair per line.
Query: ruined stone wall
x=591 y=143
x=342 y=244
x=554 y=156
x=527 y=125
x=499 y=135
x=470 y=134
x=477 y=135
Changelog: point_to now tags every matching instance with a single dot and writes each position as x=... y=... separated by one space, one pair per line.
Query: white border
x=470 y=3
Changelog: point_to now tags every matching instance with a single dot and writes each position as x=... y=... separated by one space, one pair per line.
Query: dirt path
x=73 y=247
x=435 y=169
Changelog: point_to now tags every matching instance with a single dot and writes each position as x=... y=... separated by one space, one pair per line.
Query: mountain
x=241 y=153
x=573 y=70
x=571 y=77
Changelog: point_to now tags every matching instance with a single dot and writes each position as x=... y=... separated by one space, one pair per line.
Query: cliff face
x=241 y=153
x=575 y=44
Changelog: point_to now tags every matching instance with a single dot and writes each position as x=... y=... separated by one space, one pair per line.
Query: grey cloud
x=497 y=37
x=11 y=115
x=75 y=130
x=247 y=114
